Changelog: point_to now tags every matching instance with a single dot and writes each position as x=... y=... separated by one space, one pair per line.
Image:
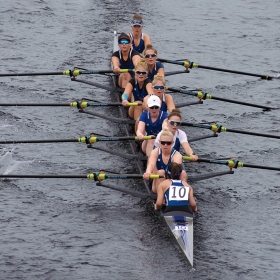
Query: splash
x=8 y=164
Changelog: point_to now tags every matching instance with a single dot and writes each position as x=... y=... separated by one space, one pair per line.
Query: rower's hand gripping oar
x=71 y=73
x=233 y=163
x=203 y=95
x=190 y=65
x=85 y=139
x=219 y=128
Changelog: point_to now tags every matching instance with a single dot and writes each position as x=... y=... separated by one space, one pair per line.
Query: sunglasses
x=175 y=123
x=154 y=107
x=159 y=87
x=168 y=143
x=124 y=42
x=150 y=55
x=141 y=72
x=137 y=22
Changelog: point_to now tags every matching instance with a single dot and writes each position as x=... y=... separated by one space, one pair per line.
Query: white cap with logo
x=154 y=100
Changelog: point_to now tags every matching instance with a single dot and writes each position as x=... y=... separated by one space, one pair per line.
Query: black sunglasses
x=141 y=72
x=154 y=107
x=168 y=143
x=150 y=55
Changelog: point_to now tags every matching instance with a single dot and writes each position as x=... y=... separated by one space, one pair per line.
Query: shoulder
x=116 y=54
x=144 y=116
x=182 y=136
x=168 y=97
x=159 y=65
x=134 y=52
x=147 y=81
x=132 y=82
x=164 y=115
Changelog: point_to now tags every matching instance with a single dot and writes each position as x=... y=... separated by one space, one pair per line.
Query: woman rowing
x=159 y=85
x=125 y=58
x=139 y=40
x=161 y=157
x=150 y=123
x=178 y=194
x=136 y=89
x=179 y=136
x=155 y=67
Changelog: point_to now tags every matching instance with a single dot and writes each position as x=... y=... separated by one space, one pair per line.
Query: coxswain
x=150 y=123
x=160 y=158
x=178 y=194
x=124 y=58
x=139 y=40
x=179 y=136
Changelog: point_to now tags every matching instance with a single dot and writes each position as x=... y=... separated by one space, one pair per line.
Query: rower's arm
x=152 y=161
x=116 y=63
x=136 y=59
x=128 y=91
x=149 y=88
x=177 y=158
x=147 y=39
x=192 y=200
x=160 y=71
x=160 y=196
x=169 y=102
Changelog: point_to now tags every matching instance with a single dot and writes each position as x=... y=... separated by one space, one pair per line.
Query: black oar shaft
x=36 y=104
x=39 y=141
x=31 y=74
x=253 y=133
x=43 y=176
x=261 y=167
x=242 y=103
x=266 y=77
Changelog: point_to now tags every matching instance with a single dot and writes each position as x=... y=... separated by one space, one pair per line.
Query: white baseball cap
x=154 y=100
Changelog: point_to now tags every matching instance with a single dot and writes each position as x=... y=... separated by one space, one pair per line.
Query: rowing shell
x=180 y=223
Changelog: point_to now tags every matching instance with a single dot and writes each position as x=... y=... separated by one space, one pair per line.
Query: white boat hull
x=181 y=225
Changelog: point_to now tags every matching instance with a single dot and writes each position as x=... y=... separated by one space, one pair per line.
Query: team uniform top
x=163 y=104
x=153 y=128
x=139 y=94
x=177 y=194
x=160 y=164
x=140 y=48
x=157 y=66
x=179 y=137
x=126 y=64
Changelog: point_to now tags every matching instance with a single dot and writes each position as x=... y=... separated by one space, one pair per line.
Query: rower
x=124 y=58
x=139 y=40
x=150 y=123
x=179 y=136
x=136 y=89
x=161 y=157
x=155 y=67
x=159 y=86
x=178 y=194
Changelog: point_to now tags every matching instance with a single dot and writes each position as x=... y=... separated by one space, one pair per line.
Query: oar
x=203 y=95
x=127 y=191
x=233 y=163
x=96 y=176
x=71 y=73
x=77 y=104
x=219 y=128
x=112 y=119
x=97 y=85
x=190 y=65
x=85 y=139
